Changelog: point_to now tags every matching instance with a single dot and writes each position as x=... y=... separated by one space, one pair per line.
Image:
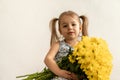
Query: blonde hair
x=82 y=19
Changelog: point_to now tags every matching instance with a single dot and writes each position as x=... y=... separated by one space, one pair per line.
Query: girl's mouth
x=70 y=32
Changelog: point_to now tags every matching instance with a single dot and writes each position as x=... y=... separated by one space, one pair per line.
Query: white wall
x=24 y=32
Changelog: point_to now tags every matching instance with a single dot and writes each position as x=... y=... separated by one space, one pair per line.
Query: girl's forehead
x=66 y=18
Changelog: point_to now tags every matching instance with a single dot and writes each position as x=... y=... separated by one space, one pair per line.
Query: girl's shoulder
x=55 y=45
x=60 y=44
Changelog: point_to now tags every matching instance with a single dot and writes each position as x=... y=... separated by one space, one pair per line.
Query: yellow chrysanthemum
x=94 y=58
x=71 y=58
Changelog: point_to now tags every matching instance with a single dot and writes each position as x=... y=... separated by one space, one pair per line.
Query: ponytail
x=84 y=25
x=54 y=36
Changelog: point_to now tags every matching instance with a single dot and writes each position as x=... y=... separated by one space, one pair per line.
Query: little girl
x=70 y=26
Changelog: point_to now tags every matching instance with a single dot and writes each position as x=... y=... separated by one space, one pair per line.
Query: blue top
x=63 y=51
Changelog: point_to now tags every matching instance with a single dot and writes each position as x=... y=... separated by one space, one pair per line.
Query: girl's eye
x=64 y=26
x=73 y=24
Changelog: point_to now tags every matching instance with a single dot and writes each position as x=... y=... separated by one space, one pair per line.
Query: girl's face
x=69 y=27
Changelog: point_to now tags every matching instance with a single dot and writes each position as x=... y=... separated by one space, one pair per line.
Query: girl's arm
x=51 y=63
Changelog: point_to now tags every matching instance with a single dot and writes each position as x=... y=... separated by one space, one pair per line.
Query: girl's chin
x=71 y=37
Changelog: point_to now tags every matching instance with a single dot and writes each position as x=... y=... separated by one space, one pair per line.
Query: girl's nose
x=70 y=27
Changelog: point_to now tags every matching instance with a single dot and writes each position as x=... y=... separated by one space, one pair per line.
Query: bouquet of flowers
x=94 y=58
x=90 y=60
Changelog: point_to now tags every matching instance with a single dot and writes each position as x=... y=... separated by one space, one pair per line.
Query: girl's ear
x=80 y=28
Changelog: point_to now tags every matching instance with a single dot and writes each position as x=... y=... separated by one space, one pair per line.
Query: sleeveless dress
x=63 y=51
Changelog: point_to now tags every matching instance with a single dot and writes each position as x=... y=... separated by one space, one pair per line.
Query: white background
x=25 y=35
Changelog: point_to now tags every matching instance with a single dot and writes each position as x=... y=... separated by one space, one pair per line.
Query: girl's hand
x=65 y=74
x=74 y=76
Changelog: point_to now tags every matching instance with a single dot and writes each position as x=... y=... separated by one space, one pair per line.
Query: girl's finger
x=69 y=73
